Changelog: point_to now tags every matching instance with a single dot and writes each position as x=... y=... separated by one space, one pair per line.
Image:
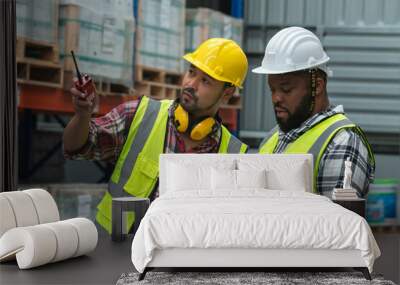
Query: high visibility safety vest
x=315 y=140
x=136 y=171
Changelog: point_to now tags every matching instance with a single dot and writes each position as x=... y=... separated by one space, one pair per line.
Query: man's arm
x=99 y=138
x=345 y=144
x=77 y=131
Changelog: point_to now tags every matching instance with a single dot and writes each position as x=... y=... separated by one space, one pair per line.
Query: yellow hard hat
x=222 y=59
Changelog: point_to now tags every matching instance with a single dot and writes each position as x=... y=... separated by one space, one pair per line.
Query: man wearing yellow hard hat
x=135 y=133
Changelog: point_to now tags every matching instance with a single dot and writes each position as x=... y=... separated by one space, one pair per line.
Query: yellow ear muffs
x=198 y=130
x=181 y=119
x=202 y=129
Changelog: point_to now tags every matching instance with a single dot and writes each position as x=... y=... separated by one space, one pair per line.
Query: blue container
x=375 y=211
x=382 y=202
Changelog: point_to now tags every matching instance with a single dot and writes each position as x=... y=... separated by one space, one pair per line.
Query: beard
x=295 y=119
x=190 y=105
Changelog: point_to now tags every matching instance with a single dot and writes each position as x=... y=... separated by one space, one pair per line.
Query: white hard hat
x=293 y=49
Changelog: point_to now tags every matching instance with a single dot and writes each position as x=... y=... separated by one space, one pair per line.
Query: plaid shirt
x=345 y=144
x=108 y=134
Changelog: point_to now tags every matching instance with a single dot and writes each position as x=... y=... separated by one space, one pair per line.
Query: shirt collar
x=312 y=121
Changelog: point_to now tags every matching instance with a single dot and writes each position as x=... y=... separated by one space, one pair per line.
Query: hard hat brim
x=263 y=70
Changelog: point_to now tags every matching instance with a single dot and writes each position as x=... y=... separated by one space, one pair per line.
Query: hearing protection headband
x=197 y=129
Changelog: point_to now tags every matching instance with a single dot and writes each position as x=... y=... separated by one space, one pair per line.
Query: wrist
x=83 y=116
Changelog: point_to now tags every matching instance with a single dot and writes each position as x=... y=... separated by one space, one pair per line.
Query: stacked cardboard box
x=37 y=20
x=101 y=33
x=204 y=23
x=160 y=34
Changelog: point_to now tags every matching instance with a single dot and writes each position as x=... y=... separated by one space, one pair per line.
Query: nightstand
x=355 y=205
x=120 y=207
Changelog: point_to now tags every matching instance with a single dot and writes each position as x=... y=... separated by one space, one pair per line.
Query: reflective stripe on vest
x=316 y=140
x=230 y=144
x=149 y=118
x=136 y=171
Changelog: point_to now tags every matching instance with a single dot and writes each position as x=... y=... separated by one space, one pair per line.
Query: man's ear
x=228 y=93
x=320 y=86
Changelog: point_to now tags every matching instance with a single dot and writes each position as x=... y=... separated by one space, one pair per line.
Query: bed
x=246 y=211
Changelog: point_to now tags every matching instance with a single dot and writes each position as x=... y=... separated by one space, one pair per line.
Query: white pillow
x=282 y=173
x=223 y=179
x=186 y=175
x=292 y=180
x=182 y=177
x=251 y=178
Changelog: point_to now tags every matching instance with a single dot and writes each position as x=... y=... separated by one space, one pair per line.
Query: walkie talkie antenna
x=76 y=68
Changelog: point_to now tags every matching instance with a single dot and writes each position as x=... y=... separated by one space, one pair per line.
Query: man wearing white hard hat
x=295 y=64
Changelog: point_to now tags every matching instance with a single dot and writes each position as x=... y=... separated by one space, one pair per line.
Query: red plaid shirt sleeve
x=107 y=134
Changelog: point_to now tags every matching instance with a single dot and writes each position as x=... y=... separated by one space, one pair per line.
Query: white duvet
x=256 y=218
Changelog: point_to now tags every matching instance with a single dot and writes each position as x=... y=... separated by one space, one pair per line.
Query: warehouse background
x=134 y=47
x=129 y=48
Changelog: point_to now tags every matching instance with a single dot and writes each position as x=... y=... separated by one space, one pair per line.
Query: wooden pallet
x=151 y=74
x=155 y=90
x=107 y=87
x=104 y=87
x=157 y=83
x=32 y=49
x=39 y=72
x=160 y=84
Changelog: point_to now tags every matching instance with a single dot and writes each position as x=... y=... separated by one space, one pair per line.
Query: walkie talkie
x=85 y=82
